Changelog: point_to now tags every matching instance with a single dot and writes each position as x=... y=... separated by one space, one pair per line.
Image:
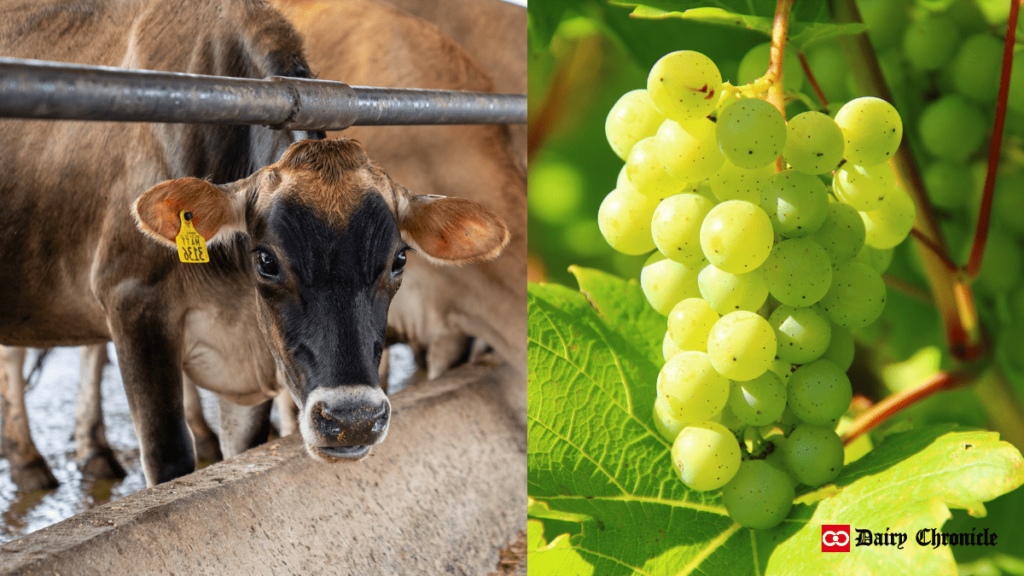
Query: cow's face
x=328 y=234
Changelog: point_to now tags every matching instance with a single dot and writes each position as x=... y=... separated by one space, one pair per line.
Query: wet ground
x=51 y=410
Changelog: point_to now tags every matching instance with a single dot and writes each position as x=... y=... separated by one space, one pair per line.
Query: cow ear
x=452 y=231
x=215 y=213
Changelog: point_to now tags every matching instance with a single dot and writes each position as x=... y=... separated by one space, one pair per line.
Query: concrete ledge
x=442 y=495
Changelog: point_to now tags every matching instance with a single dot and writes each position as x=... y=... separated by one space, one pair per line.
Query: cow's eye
x=399 y=263
x=266 y=265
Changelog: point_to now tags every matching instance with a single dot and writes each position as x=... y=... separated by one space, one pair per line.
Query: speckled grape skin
x=691 y=387
x=891 y=223
x=819 y=392
x=646 y=173
x=630 y=120
x=872 y=129
x=842 y=234
x=625 y=221
x=741 y=346
x=690 y=322
x=751 y=133
x=689 y=151
x=706 y=455
x=736 y=236
x=798 y=272
x=760 y=401
x=875 y=258
x=734 y=183
x=863 y=187
x=759 y=496
x=684 y=85
x=796 y=203
x=725 y=292
x=840 y=347
x=814 y=143
x=668 y=347
x=665 y=421
x=665 y=283
x=856 y=297
x=676 y=227
x=803 y=334
x=814 y=454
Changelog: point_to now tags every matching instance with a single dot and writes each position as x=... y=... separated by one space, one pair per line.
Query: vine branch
x=776 y=91
x=810 y=78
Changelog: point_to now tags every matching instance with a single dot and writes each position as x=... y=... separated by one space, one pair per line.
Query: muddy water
x=51 y=409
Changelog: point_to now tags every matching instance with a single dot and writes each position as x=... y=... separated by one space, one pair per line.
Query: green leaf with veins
x=596 y=459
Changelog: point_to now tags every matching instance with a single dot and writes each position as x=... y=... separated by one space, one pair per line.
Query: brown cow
x=305 y=254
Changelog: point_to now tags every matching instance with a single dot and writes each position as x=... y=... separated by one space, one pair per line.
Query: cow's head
x=328 y=233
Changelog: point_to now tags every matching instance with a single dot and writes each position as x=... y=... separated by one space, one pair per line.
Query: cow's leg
x=289 y=413
x=29 y=470
x=206 y=443
x=446 y=351
x=243 y=427
x=95 y=458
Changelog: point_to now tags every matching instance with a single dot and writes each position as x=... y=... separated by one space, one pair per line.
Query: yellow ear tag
x=191 y=246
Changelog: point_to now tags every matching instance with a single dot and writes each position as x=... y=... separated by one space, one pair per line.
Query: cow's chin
x=336 y=454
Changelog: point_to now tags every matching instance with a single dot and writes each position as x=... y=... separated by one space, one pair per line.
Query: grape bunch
x=760 y=269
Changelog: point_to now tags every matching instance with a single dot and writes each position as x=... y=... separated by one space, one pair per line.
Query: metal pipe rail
x=58 y=91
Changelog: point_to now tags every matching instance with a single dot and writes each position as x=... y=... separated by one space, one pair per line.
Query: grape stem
x=776 y=92
x=936 y=250
x=810 y=78
x=907 y=288
x=981 y=231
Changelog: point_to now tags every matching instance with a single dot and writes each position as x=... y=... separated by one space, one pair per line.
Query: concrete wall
x=442 y=495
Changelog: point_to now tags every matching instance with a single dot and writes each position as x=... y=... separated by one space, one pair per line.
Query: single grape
x=819 y=392
x=706 y=455
x=751 y=133
x=840 y=347
x=736 y=236
x=759 y=496
x=930 y=42
x=688 y=150
x=798 y=272
x=814 y=143
x=690 y=322
x=684 y=85
x=891 y=222
x=886 y=20
x=864 y=187
x=665 y=421
x=646 y=173
x=741 y=345
x=796 y=203
x=676 y=227
x=665 y=282
x=803 y=334
x=734 y=183
x=630 y=120
x=875 y=258
x=755 y=65
x=872 y=129
x=977 y=66
x=856 y=297
x=625 y=221
x=952 y=128
x=669 y=348
x=814 y=454
x=759 y=401
x=949 y=185
x=691 y=387
x=842 y=234
x=829 y=68
x=725 y=292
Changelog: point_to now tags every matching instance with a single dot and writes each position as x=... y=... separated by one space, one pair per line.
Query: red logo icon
x=835 y=537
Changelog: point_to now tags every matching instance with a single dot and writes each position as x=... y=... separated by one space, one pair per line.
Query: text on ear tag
x=191 y=245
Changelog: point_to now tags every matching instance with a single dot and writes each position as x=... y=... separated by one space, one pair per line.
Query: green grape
x=676 y=227
x=725 y=292
x=977 y=67
x=952 y=128
x=864 y=187
x=949 y=185
x=819 y=392
x=886 y=20
x=814 y=454
x=755 y=65
x=796 y=203
x=665 y=421
x=759 y=401
x=891 y=222
x=803 y=334
x=702 y=188
x=875 y=258
x=930 y=42
x=1008 y=200
x=736 y=236
x=630 y=120
x=856 y=297
x=688 y=151
x=669 y=348
x=690 y=322
x=665 y=283
x=706 y=455
x=759 y=496
x=782 y=369
x=741 y=345
x=1001 y=263
x=691 y=387
x=776 y=459
x=829 y=67
x=872 y=129
x=814 y=143
x=842 y=234
x=798 y=272
x=646 y=173
x=625 y=221
x=751 y=133
x=684 y=85
x=734 y=183
x=840 y=347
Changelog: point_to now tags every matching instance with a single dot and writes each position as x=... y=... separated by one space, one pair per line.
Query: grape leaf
x=596 y=459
